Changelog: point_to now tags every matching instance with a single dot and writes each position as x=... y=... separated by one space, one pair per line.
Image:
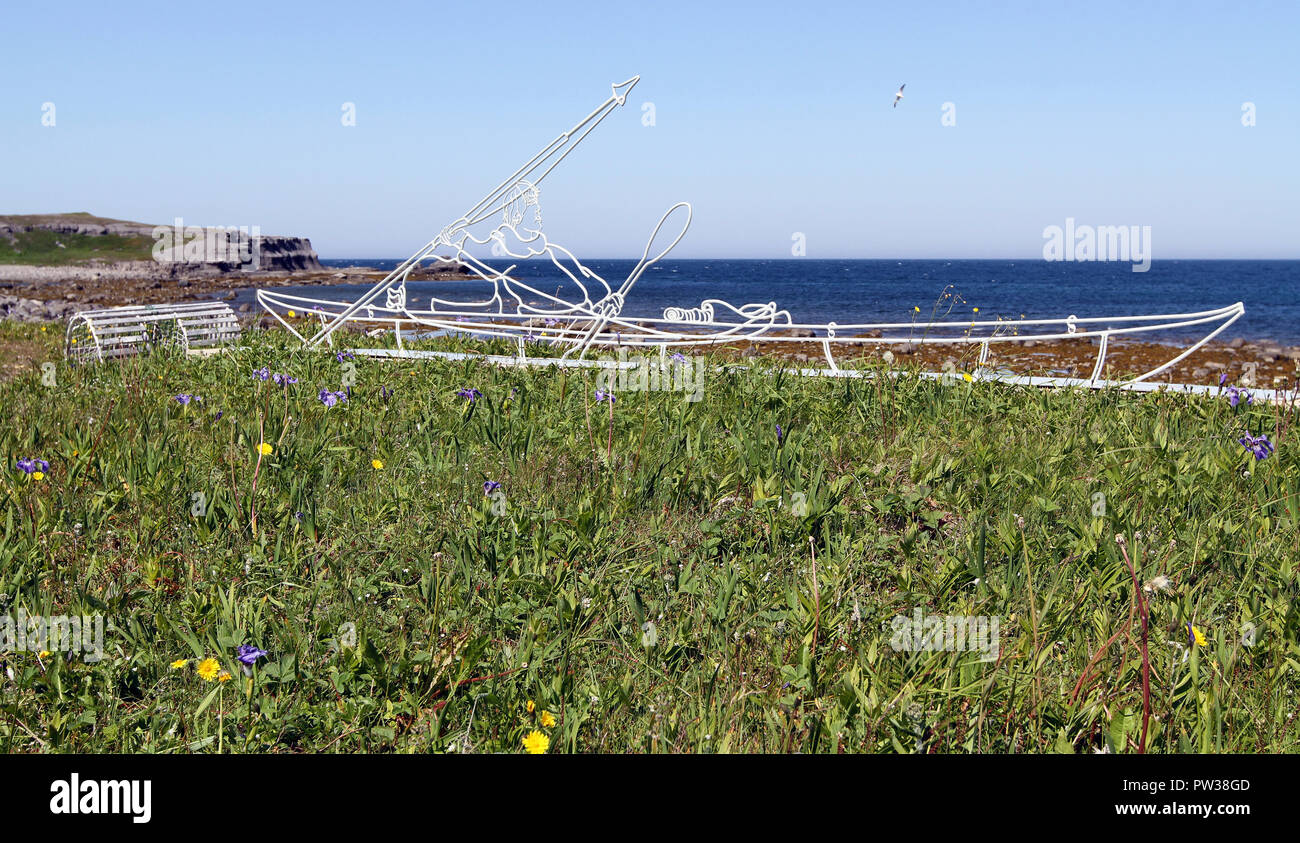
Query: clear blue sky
x=770 y=118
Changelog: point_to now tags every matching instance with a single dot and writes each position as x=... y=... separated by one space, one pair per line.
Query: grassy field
x=50 y=248
x=650 y=575
x=42 y=248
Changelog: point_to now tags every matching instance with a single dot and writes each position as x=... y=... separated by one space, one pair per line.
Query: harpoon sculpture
x=587 y=312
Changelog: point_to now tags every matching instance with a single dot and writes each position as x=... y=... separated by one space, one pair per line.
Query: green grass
x=772 y=621
x=41 y=248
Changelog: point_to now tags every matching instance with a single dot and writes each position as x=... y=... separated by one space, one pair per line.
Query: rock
x=749 y=353
x=1236 y=342
x=1216 y=366
x=1200 y=372
x=245 y=308
x=229 y=296
x=905 y=348
x=1028 y=343
x=802 y=332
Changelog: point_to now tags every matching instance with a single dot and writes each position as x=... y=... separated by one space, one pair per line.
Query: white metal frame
x=97 y=335
x=509 y=219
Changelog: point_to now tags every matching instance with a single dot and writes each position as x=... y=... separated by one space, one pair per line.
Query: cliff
x=84 y=247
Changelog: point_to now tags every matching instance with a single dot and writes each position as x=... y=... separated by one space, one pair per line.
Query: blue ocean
x=847 y=291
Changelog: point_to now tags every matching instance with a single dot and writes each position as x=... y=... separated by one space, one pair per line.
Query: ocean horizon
x=885 y=290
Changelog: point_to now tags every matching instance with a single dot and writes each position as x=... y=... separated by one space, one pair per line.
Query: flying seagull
x=898 y=96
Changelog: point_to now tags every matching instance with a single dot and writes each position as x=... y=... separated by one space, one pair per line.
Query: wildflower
x=248 y=654
x=343 y=355
x=966 y=377
x=208 y=669
x=283 y=380
x=329 y=399
x=265 y=449
x=916 y=309
x=1223 y=378
x=975 y=310
x=780 y=435
x=530 y=706
x=38 y=475
x=184 y=399
x=377 y=465
x=292 y=314
x=490 y=486
x=536 y=743
x=1235 y=394
x=1258 y=445
x=601 y=395
x=179 y=663
x=224 y=676
x=547 y=720
x=262 y=374
x=1195 y=636
x=1160 y=583
x=470 y=394
x=678 y=357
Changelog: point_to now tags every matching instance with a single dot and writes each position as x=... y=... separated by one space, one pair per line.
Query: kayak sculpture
x=580 y=311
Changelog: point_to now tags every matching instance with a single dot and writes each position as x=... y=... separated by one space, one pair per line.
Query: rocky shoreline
x=1260 y=363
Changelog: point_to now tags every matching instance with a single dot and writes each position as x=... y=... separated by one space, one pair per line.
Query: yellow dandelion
x=966 y=377
x=1197 y=636
x=44 y=654
x=548 y=722
x=265 y=449
x=916 y=309
x=292 y=314
x=377 y=464
x=531 y=706
x=208 y=669
x=179 y=663
x=535 y=743
x=224 y=676
x=38 y=475
x=42 y=329
x=975 y=309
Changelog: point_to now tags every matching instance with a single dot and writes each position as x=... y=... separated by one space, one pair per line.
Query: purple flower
x=490 y=486
x=329 y=399
x=262 y=374
x=343 y=355
x=678 y=357
x=184 y=399
x=1236 y=393
x=385 y=393
x=780 y=435
x=470 y=394
x=219 y=414
x=282 y=380
x=248 y=654
x=601 y=395
x=1257 y=445
x=1223 y=378
x=26 y=466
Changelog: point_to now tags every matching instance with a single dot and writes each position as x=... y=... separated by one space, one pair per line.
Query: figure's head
x=523 y=209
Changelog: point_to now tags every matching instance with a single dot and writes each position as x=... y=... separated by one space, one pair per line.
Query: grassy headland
x=654 y=574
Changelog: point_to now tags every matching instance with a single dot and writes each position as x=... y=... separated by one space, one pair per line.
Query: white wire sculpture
x=190 y=327
x=586 y=311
